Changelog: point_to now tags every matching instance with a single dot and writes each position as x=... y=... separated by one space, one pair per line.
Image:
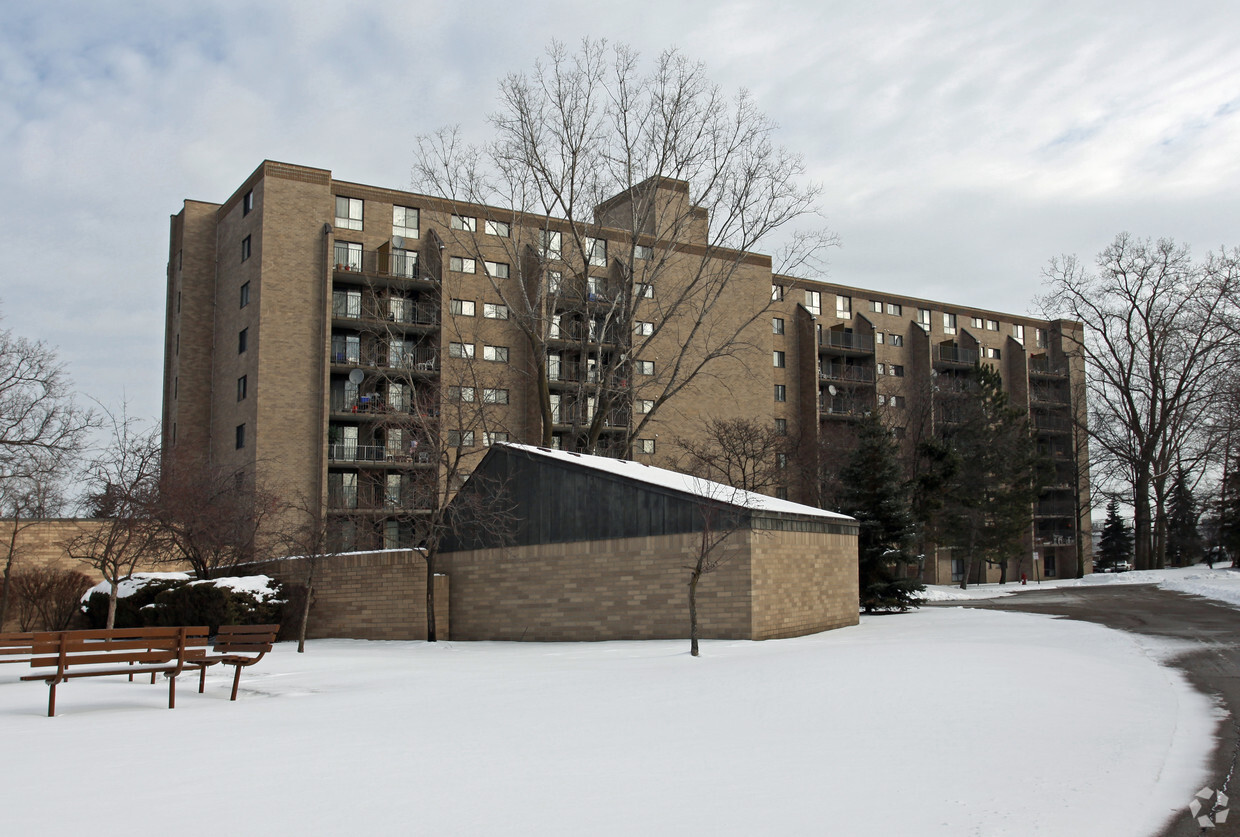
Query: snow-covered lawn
x=1220 y=584
x=939 y=722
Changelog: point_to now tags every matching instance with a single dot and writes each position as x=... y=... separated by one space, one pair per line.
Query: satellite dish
x=356 y=376
x=831 y=389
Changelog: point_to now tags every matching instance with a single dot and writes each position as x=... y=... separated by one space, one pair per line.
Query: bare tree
x=609 y=263
x=744 y=453
x=1156 y=329
x=121 y=484
x=310 y=539
x=48 y=597
x=24 y=502
x=720 y=518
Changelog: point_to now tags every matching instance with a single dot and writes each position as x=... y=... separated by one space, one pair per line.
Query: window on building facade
x=643 y=328
x=880 y=368
x=1018 y=331
x=461 y=307
x=495 y=396
x=457 y=264
x=992 y=325
x=813 y=302
x=555 y=281
x=494 y=438
x=879 y=337
x=781 y=360
x=348 y=213
x=247 y=203
x=843 y=306
x=348 y=255
x=949 y=323
x=239 y=439
x=896 y=370
x=645 y=445
x=777 y=325
x=643 y=252
x=404 y=222
x=923 y=317
x=777 y=293
x=897 y=339
x=781 y=427
x=498 y=354
x=1039 y=338
x=245 y=294
x=596 y=251
x=461 y=395
x=897 y=401
x=494 y=311
x=645 y=367
x=461 y=438
x=241 y=388
x=781 y=392
x=993 y=354
x=499 y=228
x=894 y=309
x=643 y=405
x=496 y=270
x=876 y=306
x=552 y=244
x=245 y=248
x=461 y=350
x=645 y=291
x=957 y=569
x=243 y=338
x=976 y=322
x=464 y=222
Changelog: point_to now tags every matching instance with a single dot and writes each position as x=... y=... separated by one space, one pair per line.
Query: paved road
x=1214 y=669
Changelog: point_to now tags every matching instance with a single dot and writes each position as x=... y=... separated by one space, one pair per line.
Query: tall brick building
x=326 y=336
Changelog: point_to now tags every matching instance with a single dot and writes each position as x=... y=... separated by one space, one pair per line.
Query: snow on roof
x=677 y=481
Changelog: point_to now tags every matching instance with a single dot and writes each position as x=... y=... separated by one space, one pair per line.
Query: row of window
x=467 y=308
x=466 y=395
x=498 y=354
x=460 y=264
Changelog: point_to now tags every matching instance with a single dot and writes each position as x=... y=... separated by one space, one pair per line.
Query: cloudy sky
x=960 y=144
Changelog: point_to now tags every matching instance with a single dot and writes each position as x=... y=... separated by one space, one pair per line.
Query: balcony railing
x=1066 y=538
x=575 y=414
x=402 y=265
x=379 y=497
x=349 y=452
x=418 y=359
x=405 y=312
x=375 y=402
x=1042 y=365
x=1051 y=424
x=844 y=372
x=836 y=406
x=848 y=340
x=1055 y=508
x=956 y=355
x=1049 y=395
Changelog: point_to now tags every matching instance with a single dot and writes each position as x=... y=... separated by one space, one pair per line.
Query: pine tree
x=875 y=494
x=1184 y=544
x=1229 y=515
x=1115 y=544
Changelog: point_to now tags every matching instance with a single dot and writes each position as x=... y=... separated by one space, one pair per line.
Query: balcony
x=1041 y=366
x=1054 y=396
x=1060 y=538
x=955 y=356
x=383 y=263
x=840 y=407
x=403 y=312
x=374 y=403
x=845 y=373
x=579 y=416
x=1055 y=508
x=1044 y=423
x=417 y=359
x=845 y=341
x=378 y=497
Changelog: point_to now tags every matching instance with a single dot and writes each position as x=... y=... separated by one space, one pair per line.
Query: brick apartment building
x=326 y=335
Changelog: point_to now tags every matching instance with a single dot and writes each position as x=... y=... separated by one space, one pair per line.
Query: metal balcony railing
x=376 y=402
x=1055 y=508
x=401 y=265
x=843 y=372
x=1042 y=365
x=1049 y=395
x=1064 y=538
x=418 y=359
x=846 y=340
x=1052 y=424
x=405 y=312
x=956 y=354
x=836 y=406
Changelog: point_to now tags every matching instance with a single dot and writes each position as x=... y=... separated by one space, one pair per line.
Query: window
x=876 y=306
x=777 y=293
x=897 y=401
x=645 y=367
x=499 y=354
x=975 y=322
x=882 y=400
x=461 y=395
x=464 y=222
x=240 y=437
x=777 y=325
x=461 y=438
x=245 y=294
x=993 y=354
x=957 y=569
x=992 y=325
x=781 y=427
x=493 y=438
x=245 y=248
x=243 y=338
x=555 y=280
x=459 y=265
x=781 y=392
x=499 y=228
x=781 y=360
x=241 y=388
x=645 y=291
x=348 y=255
x=643 y=328
x=247 y=203
x=843 y=306
x=461 y=350
x=348 y=213
x=404 y=221
x=496 y=270
x=641 y=251
x=1018 y=331
x=461 y=307
x=894 y=309
x=781 y=460
x=897 y=339
x=644 y=405
x=880 y=368
x=923 y=317
x=949 y=323
x=494 y=311
x=878 y=337
x=1039 y=338
x=896 y=370
x=495 y=396
x=552 y=244
x=596 y=251
x=645 y=445
x=813 y=301
x=781 y=492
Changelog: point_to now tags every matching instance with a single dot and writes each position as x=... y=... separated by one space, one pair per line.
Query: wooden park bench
x=100 y=653
x=237 y=646
x=16 y=647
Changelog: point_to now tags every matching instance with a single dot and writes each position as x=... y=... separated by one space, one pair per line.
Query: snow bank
x=938 y=722
x=1222 y=585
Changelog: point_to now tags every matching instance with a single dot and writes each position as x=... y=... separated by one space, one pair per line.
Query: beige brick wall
x=803 y=582
x=371 y=595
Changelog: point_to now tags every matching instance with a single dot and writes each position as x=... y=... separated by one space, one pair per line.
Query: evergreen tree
x=998 y=475
x=1184 y=544
x=1229 y=514
x=875 y=494
x=1115 y=544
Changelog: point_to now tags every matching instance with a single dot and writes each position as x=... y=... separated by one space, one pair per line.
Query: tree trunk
x=693 y=621
x=431 y=635
x=111 y=623
x=8 y=572
x=1141 y=522
x=305 y=609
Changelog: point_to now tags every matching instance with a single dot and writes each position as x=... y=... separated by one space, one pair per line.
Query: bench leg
x=172 y=692
x=51 y=700
x=236 y=681
x=202 y=679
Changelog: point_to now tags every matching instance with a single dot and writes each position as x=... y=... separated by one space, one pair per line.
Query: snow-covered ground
x=1220 y=584
x=939 y=722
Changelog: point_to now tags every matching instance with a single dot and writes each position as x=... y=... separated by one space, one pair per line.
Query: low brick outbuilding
x=597 y=548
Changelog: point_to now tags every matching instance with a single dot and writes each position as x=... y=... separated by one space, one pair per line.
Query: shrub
x=170 y=602
x=46 y=598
